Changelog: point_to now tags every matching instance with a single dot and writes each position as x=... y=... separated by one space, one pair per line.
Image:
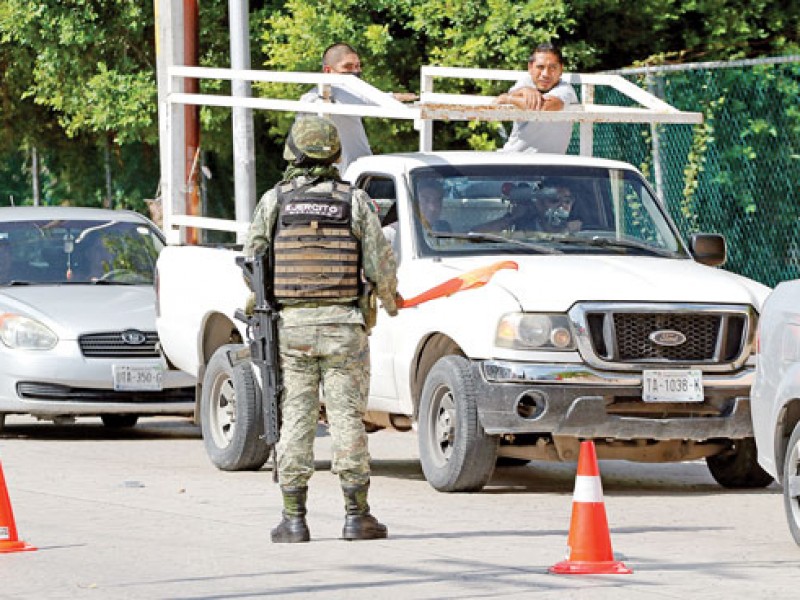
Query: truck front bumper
x=574 y=400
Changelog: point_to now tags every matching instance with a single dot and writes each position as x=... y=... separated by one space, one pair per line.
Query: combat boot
x=359 y=524
x=293 y=527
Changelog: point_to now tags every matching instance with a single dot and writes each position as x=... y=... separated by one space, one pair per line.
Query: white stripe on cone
x=588 y=489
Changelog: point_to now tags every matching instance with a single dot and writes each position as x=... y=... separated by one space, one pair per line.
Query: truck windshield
x=475 y=209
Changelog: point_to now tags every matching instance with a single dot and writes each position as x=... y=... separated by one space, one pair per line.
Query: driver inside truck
x=430 y=197
x=547 y=209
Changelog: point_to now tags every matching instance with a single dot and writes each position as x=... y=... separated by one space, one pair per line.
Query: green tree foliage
x=91 y=62
x=80 y=87
x=624 y=32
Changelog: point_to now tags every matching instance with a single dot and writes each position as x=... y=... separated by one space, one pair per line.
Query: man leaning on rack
x=541 y=89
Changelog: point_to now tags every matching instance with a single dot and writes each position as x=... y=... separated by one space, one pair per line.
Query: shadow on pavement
x=90 y=428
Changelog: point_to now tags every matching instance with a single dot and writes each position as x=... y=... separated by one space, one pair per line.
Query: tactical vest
x=316 y=256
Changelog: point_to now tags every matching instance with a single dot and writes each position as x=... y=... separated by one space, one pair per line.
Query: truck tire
x=456 y=454
x=738 y=467
x=791 y=484
x=230 y=415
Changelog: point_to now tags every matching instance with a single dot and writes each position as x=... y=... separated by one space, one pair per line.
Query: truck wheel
x=738 y=466
x=791 y=484
x=455 y=452
x=230 y=415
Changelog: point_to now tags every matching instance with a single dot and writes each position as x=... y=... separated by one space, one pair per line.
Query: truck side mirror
x=708 y=249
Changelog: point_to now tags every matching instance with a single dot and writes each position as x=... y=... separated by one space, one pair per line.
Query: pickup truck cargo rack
x=431 y=107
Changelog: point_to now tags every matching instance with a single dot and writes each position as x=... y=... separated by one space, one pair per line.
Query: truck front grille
x=625 y=335
x=634 y=344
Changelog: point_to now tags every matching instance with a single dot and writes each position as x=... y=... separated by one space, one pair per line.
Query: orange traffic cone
x=589 y=541
x=9 y=542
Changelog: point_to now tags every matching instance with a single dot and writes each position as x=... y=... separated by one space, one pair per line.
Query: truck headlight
x=526 y=331
x=22 y=333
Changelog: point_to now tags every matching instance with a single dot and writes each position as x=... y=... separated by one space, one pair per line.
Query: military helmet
x=312 y=140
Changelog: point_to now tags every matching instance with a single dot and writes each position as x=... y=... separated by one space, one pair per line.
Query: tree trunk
x=35 y=176
x=109 y=201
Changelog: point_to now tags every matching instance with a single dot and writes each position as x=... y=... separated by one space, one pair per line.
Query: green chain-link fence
x=738 y=173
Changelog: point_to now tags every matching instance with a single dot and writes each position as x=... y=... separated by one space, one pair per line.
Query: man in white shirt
x=541 y=89
x=342 y=58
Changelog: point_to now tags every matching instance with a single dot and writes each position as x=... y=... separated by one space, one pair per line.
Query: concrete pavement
x=145 y=515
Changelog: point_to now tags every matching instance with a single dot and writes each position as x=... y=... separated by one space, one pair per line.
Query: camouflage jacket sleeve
x=379 y=263
x=259 y=236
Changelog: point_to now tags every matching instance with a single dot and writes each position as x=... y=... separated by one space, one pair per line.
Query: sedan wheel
x=231 y=419
x=791 y=484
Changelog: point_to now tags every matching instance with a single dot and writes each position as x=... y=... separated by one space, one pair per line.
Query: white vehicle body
x=529 y=402
x=776 y=395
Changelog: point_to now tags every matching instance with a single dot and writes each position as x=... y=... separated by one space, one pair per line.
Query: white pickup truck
x=616 y=331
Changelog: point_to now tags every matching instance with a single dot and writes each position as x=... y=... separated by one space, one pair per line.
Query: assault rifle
x=262 y=338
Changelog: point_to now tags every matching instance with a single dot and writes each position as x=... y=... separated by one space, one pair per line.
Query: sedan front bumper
x=64 y=382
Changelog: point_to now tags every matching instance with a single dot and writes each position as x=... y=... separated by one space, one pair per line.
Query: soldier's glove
x=391 y=307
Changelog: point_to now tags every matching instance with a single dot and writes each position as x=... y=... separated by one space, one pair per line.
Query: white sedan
x=77 y=318
x=776 y=395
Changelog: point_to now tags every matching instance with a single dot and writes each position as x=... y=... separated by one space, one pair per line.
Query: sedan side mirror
x=708 y=249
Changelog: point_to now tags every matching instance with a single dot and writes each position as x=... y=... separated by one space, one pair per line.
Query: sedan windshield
x=526 y=208
x=79 y=251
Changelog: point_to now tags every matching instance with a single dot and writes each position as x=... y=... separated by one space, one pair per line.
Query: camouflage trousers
x=329 y=362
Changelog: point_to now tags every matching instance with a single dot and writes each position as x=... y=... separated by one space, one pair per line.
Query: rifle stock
x=262 y=338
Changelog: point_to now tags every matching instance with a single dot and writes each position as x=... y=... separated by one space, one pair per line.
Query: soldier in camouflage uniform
x=323 y=234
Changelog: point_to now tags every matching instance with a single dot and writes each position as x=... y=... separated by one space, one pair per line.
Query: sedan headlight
x=22 y=333
x=540 y=331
